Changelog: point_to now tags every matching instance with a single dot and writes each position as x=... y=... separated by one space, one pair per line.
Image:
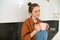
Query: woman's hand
x=47 y=26
x=37 y=27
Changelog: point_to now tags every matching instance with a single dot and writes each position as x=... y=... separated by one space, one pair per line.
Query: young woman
x=31 y=29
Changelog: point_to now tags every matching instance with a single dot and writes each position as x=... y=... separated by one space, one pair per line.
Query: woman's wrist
x=33 y=33
x=36 y=31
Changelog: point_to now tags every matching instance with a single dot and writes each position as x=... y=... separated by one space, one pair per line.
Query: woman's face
x=36 y=12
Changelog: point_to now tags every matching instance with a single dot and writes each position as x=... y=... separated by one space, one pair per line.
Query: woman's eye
x=35 y=11
x=39 y=10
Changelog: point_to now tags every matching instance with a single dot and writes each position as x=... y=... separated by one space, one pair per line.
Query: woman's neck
x=34 y=19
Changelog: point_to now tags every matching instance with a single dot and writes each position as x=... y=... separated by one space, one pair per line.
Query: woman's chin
x=37 y=16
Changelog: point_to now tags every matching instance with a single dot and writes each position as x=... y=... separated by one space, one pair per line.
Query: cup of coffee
x=43 y=26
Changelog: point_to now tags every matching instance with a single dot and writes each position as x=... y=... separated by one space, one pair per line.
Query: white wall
x=11 y=11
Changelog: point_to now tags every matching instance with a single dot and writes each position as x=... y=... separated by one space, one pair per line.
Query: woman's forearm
x=33 y=33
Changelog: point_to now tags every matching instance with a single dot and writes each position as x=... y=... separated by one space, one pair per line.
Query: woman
x=31 y=26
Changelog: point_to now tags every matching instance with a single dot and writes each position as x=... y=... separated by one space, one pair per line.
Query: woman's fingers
x=37 y=27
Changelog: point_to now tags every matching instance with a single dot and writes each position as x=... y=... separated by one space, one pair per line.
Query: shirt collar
x=32 y=22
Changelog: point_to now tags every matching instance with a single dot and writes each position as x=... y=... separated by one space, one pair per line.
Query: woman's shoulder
x=40 y=20
x=26 y=20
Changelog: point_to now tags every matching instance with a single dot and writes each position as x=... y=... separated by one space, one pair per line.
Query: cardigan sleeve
x=25 y=34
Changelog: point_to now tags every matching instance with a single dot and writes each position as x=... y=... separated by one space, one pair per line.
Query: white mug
x=43 y=26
